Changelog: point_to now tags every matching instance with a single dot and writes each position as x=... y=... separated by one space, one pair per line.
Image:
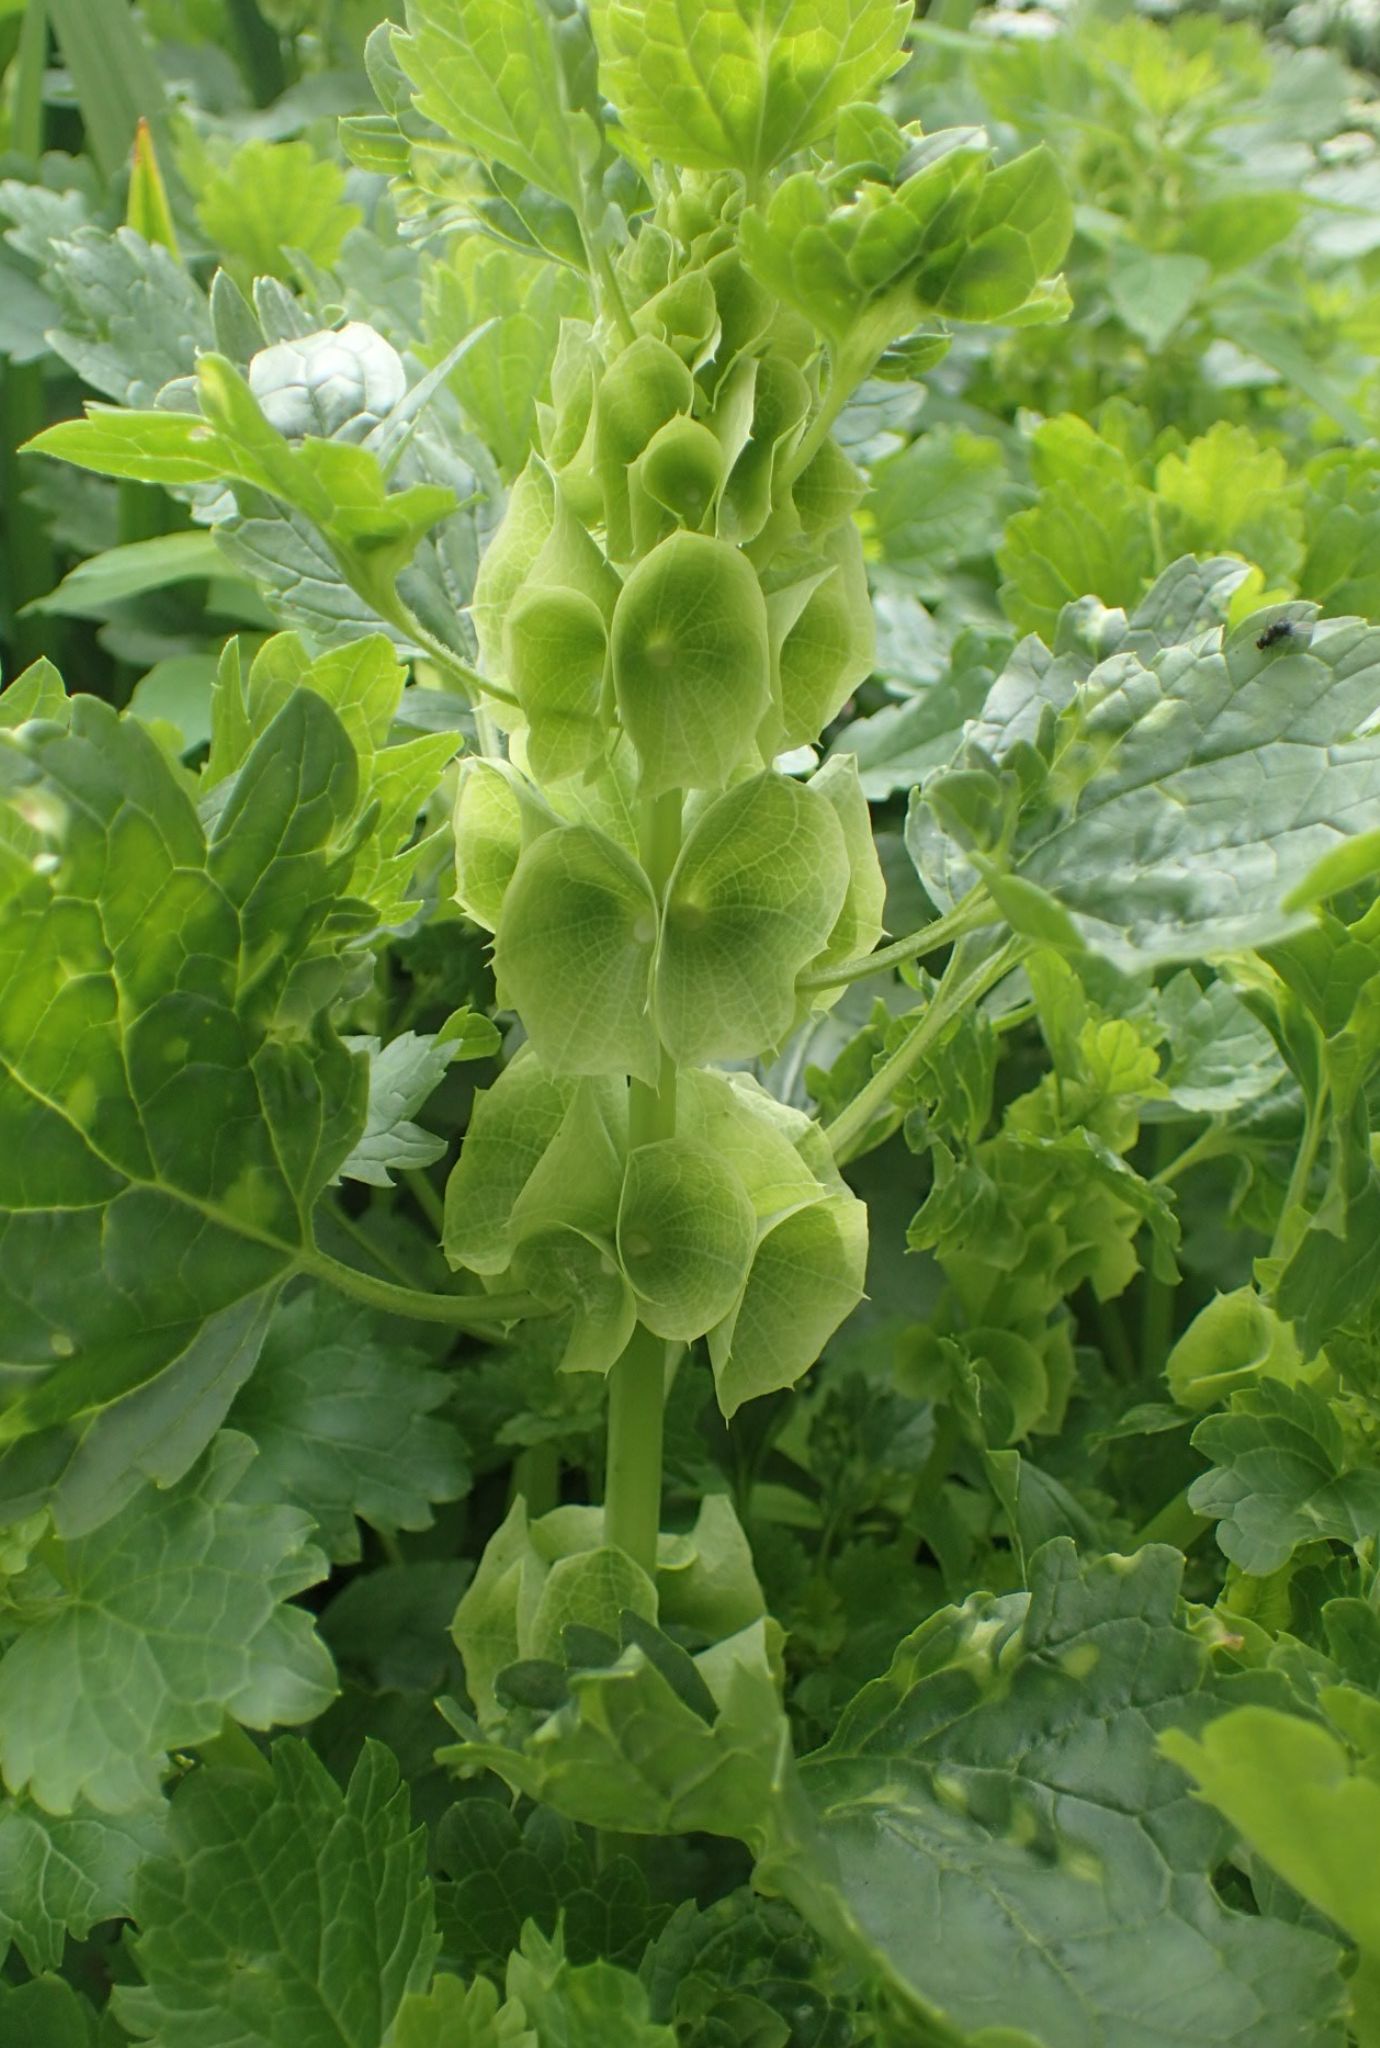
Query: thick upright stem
x=632 y=1487
x=637 y=1382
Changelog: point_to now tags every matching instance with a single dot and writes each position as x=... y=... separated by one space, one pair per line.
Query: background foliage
x=1079 y=1510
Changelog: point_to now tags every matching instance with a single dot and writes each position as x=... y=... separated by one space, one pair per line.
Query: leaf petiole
x=463 y=1311
x=971 y=915
x=953 y=996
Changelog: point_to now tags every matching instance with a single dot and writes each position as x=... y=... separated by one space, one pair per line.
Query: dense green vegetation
x=689 y=1025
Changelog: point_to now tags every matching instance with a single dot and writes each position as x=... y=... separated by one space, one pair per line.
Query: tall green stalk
x=637 y=1382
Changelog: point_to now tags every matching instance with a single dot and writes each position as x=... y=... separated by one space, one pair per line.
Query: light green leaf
x=1154 y=290
x=325 y=1891
x=686 y=1230
x=176 y=693
x=858 y=926
x=132 y=317
x=1283 y=1475
x=585 y=2007
x=455 y=2015
x=742 y=84
x=1228 y=491
x=1289 y=1789
x=627 y=1752
x=46 y=2013
x=1016 y=236
x=501 y=379
x=981 y=1785
x=691 y=663
x=154 y=1628
x=175 y=1100
x=488 y=72
x=363 y=684
x=402 y=1075
x=151 y=447
x=60 y=1876
x=590 y=1589
x=897 y=746
x=1341 y=523
x=346 y=1425
x=494 y=1617
x=573 y=954
x=937 y=503
x=1091 y=531
x=269 y=200
x=1220 y=1055
x=84 y=1471
x=760 y=882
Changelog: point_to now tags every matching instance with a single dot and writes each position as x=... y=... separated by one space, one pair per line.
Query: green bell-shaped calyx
x=573 y=954
x=686 y=1232
x=753 y=900
x=691 y=662
x=497 y=814
x=556 y=645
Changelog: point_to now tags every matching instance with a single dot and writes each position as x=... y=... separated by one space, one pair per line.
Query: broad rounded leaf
x=982 y=1785
x=168 y=1618
x=163 y=1137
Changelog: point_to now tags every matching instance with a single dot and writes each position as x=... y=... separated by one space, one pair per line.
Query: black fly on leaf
x=1281 y=629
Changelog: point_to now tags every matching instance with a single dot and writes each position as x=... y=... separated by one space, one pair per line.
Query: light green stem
x=1287 y=1231
x=461 y=1311
x=637 y=1382
x=632 y=1485
x=1175 y=1523
x=958 y=991
x=968 y=916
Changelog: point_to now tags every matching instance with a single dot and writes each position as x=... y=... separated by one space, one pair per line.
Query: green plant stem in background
x=958 y=991
x=1175 y=1523
x=969 y=916
x=260 y=49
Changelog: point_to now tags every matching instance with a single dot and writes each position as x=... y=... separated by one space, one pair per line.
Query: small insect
x=1281 y=629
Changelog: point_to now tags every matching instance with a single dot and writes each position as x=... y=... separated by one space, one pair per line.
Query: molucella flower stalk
x=676 y=596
